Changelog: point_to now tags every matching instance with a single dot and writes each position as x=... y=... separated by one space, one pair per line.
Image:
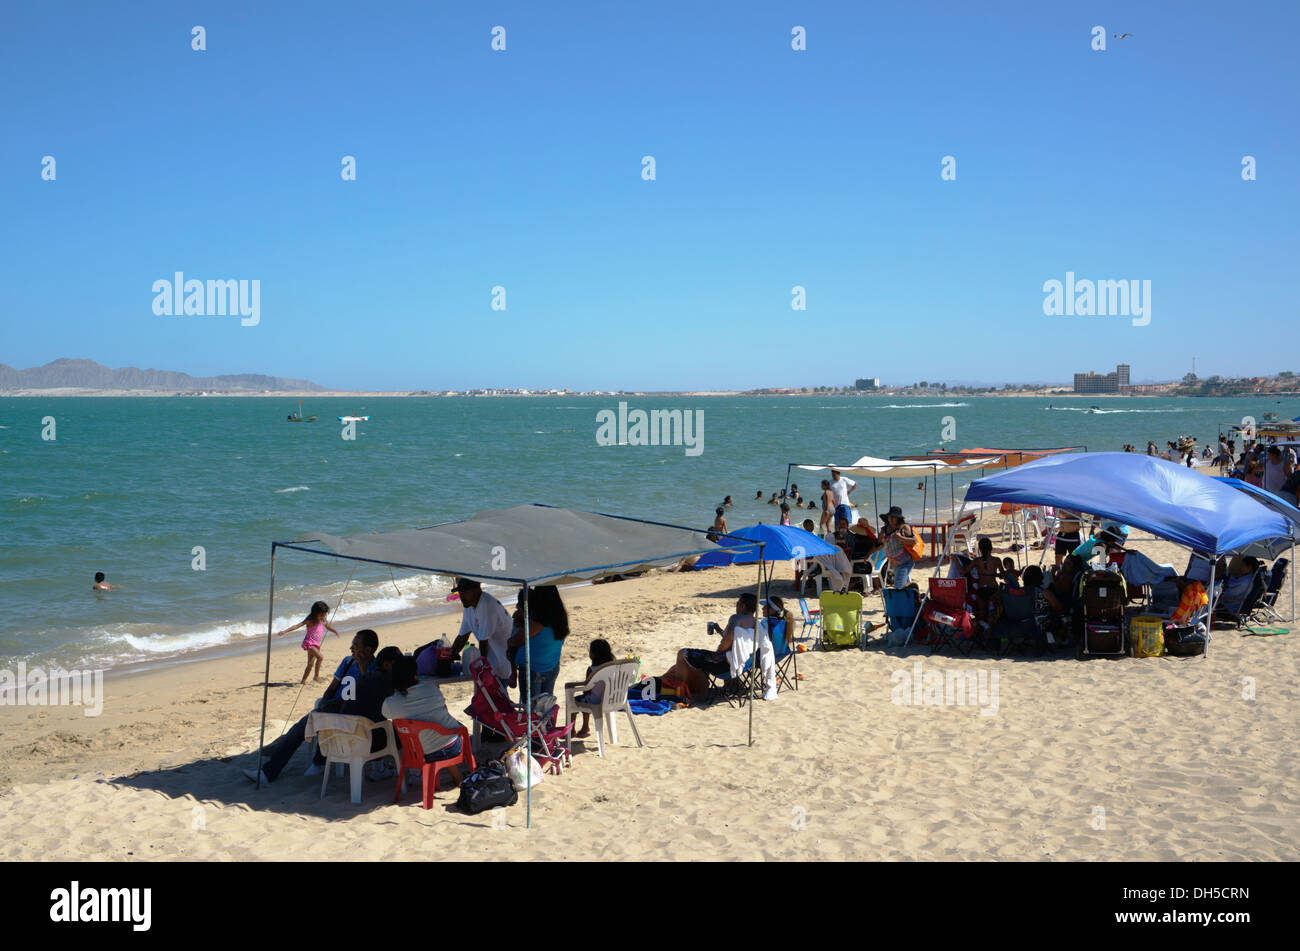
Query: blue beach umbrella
x=783 y=542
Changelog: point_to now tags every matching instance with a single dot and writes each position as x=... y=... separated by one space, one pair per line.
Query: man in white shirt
x=487 y=620
x=840 y=489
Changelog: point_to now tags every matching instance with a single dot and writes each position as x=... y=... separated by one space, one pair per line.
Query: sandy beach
x=1102 y=759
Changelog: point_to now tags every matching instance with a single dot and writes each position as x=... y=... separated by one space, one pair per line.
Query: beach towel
x=1139 y=570
x=1193 y=600
x=653 y=708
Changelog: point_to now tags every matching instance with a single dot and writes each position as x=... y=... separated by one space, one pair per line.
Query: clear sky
x=774 y=168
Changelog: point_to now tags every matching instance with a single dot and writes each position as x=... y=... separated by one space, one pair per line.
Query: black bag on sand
x=1184 y=641
x=486 y=788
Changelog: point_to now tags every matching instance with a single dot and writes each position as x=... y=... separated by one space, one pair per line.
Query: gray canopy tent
x=526 y=545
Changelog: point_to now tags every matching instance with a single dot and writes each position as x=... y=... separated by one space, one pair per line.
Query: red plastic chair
x=408 y=735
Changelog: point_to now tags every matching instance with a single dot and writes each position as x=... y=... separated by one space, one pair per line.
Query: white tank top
x=1274 y=475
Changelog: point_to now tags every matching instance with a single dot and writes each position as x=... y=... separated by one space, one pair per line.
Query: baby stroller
x=491 y=708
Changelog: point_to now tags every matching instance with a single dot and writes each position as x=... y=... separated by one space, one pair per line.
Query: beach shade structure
x=993 y=459
x=874 y=467
x=1170 y=501
x=1270 y=548
x=771 y=542
x=541 y=544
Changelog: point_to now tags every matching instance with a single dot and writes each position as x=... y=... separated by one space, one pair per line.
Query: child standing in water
x=316 y=627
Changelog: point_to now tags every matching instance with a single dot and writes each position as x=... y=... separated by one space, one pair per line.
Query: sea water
x=178 y=500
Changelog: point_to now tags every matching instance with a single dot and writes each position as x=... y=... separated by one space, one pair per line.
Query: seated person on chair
x=862 y=541
x=692 y=665
x=1059 y=594
x=415 y=699
x=1241 y=575
x=363 y=695
x=983 y=574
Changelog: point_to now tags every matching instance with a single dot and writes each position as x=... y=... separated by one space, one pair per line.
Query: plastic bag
x=517 y=766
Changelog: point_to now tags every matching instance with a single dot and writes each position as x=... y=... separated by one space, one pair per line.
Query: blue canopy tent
x=1168 y=500
x=1270 y=548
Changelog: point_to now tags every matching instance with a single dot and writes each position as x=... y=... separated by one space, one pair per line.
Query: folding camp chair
x=947 y=615
x=784 y=657
x=1254 y=595
x=900 y=613
x=737 y=686
x=1266 y=609
x=811 y=618
x=1017 y=627
x=841 y=620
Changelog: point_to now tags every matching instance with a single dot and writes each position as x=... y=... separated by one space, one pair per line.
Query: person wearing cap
x=486 y=619
x=1111 y=536
x=841 y=488
x=897 y=536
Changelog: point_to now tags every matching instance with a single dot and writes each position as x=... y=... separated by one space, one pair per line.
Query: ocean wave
x=293 y=488
x=921 y=405
x=1107 y=412
x=362 y=603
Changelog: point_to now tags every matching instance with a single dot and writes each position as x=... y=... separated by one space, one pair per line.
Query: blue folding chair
x=811 y=618
x=900 y=613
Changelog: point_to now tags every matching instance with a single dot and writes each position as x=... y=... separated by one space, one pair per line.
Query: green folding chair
x=841 y=620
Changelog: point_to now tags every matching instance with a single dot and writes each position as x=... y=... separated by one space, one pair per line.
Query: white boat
x=354 y=419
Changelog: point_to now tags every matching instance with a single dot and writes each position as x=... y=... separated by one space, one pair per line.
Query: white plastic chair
x=345 y=740
x=616 y=677
x=965 y=529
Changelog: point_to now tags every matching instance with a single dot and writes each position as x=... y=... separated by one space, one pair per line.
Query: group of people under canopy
x=1230 y=534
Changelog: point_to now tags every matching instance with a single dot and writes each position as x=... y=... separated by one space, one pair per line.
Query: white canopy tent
x=874 y=467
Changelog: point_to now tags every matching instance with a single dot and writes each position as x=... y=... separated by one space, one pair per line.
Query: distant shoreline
x=72 y=391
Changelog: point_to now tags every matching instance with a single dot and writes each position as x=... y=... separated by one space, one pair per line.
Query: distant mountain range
x=87 y=374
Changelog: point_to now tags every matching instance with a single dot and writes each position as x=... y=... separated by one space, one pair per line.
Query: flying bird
x=1122 y=36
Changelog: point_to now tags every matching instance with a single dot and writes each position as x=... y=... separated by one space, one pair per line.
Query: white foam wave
x=1106 y=412
x=293 y=488
x=921 y=405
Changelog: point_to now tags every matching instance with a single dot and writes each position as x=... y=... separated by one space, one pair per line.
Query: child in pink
x=316 y=627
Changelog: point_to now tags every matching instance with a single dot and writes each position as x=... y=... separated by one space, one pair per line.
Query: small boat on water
x=353 y=419
x=297 y=417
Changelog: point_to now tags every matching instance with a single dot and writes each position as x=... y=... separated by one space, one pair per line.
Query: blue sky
x=774 y=168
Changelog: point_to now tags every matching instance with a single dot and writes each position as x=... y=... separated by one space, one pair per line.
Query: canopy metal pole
x=926 y=597
x=1292 y=576
x=952 y=497
x=266 y=677
x=1209 y=620
x=754 y=662
x=875 y=500
x=528 y=704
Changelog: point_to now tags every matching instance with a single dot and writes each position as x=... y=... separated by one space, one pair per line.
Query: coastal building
x=1116 y=381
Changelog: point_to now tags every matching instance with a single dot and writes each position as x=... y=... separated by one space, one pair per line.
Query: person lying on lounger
x=693 y=666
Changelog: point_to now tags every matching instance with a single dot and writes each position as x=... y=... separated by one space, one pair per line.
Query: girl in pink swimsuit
x=316 y=627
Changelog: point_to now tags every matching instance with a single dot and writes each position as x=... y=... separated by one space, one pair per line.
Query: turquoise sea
x=132 y=486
